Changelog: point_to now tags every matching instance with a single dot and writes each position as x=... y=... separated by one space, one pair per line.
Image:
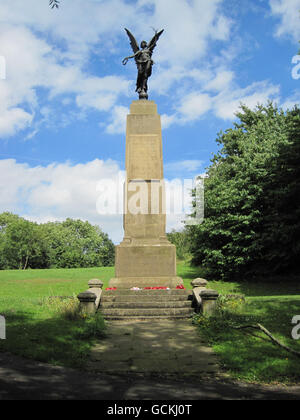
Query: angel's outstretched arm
x=125 y=61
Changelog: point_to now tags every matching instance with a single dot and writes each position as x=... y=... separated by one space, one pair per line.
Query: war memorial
x=146 y=284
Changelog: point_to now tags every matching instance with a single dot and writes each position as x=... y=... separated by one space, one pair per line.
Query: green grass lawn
x=270 y=303
x=249 y=355
x=36 y=330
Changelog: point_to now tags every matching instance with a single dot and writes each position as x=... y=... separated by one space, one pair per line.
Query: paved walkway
x=161 y=360
x=22 y=379
x=153 y=347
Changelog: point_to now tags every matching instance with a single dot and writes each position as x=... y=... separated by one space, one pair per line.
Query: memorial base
x=142 y=282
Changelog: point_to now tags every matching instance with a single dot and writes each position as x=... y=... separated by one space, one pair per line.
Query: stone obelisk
x=145 y=258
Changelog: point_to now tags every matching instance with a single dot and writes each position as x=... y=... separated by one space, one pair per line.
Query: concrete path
x=157 y=360
x=22 y=379
x=153 y=347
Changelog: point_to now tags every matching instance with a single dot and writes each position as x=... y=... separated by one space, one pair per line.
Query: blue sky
x=66 y=94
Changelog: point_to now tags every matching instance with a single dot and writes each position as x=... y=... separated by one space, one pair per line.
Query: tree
x=20 y=243
x=69 y=244
x=252 y=207
x=74 y=243
x=181 y=241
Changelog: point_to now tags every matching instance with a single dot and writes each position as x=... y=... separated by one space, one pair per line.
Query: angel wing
x=152 y=43
x=133 y=43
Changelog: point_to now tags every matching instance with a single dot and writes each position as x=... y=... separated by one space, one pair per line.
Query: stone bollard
x=209 y=301
x=198 y=286
x=202 y=283
x=95 y=284
x=88 y=302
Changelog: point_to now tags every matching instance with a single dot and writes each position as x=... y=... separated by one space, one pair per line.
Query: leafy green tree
x=70 y=244
x=21 y=245
x=181 y=241
x=252 y=208
x=75 y=243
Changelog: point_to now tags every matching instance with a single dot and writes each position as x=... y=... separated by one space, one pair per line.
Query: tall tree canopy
x=68 y=244
x=252 y=198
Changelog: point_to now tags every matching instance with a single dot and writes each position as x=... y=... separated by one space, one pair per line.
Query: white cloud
x=118 y=120
x=194 y=106
x=31 y=63
x=291 y=101
x=186 y=166
x=227 y=103
x=167 y=120
x=12 y=120
x=221 y=81
x=288 y=11
x=189 y=25
x=80 y=24
x=58 y=191
x=50 y=49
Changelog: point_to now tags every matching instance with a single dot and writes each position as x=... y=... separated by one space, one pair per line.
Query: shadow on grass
x=251 y=356
x=254 y=289
x=54 y=340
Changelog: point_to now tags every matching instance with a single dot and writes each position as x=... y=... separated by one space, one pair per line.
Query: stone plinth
x=145 y=257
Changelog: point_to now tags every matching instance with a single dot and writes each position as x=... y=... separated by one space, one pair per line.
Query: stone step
x=142 y=312
x=143 y=292
x=146 y=304
x=145 y=317
x=144 y=298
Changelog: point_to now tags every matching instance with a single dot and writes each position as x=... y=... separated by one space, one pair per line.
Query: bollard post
x=209 y=301
x=88 y=302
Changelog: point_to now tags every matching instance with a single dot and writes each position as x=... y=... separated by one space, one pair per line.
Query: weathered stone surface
x=129 y=282
x=209 y=301
x=209 y=294
x=95 y=284
x=88 y=301
x=145 y=257
x=146 y=261
x=199 y=283
x=163 y=347
x=144 y=304
x=87 y=297
x=121 y=313
x=154 y=304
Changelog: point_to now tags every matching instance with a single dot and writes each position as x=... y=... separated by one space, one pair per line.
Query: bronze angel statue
x=144 y=62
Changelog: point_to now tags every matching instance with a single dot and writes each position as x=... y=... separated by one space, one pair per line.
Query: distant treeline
x=68 y=244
